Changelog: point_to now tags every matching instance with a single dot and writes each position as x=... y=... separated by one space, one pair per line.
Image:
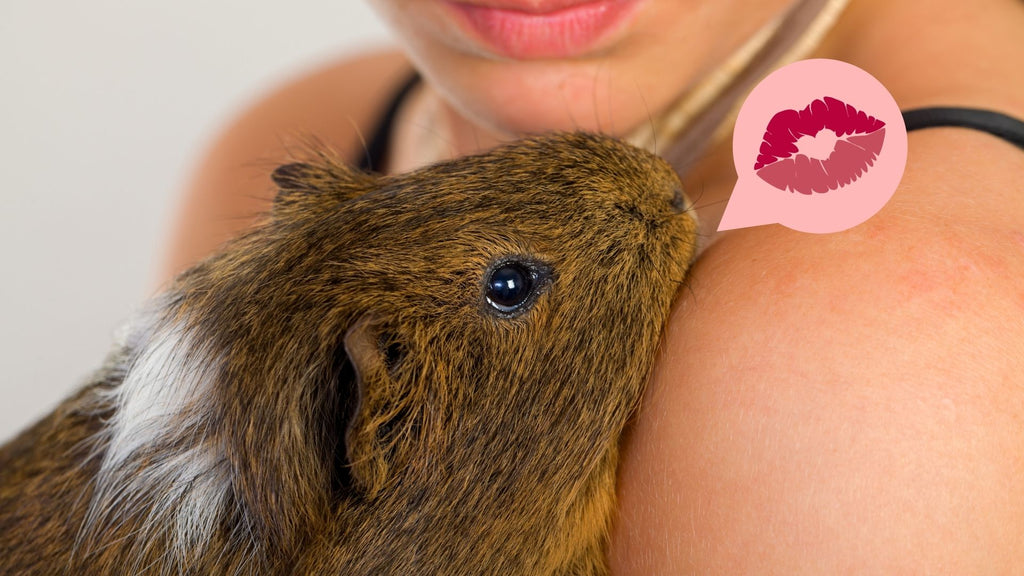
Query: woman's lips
x=851 y=157
x=547 y=29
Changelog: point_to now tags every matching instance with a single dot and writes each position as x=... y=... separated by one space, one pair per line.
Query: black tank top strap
x=996 y=123
x=377 y=145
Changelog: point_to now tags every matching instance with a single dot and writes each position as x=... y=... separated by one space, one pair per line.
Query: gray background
x=105 y=107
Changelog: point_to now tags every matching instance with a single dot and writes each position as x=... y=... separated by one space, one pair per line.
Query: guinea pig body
x=416 y=374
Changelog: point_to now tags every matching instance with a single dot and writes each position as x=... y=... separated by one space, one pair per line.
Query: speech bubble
x=819 y=146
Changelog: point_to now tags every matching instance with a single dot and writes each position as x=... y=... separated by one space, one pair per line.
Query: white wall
x=105 y=106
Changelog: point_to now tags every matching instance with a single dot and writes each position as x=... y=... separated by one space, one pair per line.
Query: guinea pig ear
x=300 y=183
x=297 y=176
x=381 y=406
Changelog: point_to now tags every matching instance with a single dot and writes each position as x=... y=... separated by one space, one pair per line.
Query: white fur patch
x=161 y=459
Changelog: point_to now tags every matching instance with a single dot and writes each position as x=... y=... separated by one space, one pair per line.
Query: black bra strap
x=377 y=145
x=1006 y=127
x=998 y=124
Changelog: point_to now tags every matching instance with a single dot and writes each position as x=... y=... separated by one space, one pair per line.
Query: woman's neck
x=429 y=130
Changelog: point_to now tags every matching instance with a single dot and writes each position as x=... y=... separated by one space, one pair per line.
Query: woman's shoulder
x=337 y=105
x=852 y=402
x=846 y=403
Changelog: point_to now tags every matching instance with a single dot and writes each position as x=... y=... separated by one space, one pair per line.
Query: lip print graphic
x=809 y=161
x=859 y=141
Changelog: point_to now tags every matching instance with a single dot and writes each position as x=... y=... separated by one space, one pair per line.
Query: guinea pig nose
x=678 y=200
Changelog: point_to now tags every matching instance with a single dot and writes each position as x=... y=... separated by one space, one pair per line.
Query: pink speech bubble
x=819 y=146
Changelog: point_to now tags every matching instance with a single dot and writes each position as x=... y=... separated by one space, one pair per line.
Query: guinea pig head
x=451 y=351
x=509 y=310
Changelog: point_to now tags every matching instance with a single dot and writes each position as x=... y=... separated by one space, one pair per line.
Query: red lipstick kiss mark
x=851 y=157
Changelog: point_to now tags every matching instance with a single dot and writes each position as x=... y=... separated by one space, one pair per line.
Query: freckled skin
x=375 y=414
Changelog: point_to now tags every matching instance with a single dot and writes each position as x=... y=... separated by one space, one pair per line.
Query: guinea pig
x=426 y=373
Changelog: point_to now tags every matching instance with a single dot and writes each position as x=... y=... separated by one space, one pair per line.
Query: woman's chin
x=514 y=99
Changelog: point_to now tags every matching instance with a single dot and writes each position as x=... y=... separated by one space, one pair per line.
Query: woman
x=849 y=402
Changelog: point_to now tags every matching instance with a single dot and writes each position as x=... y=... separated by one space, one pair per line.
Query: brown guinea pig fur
x=426 y=373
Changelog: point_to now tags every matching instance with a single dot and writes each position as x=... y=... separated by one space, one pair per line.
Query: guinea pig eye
x=508 y=287
x=511 y=286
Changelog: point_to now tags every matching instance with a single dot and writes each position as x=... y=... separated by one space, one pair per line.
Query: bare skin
x=849 y=403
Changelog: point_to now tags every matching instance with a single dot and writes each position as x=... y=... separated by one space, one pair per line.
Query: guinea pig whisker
x=367 y=156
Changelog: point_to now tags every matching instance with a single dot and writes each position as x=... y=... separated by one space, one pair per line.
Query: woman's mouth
x=523 y=29
x=781 y=164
